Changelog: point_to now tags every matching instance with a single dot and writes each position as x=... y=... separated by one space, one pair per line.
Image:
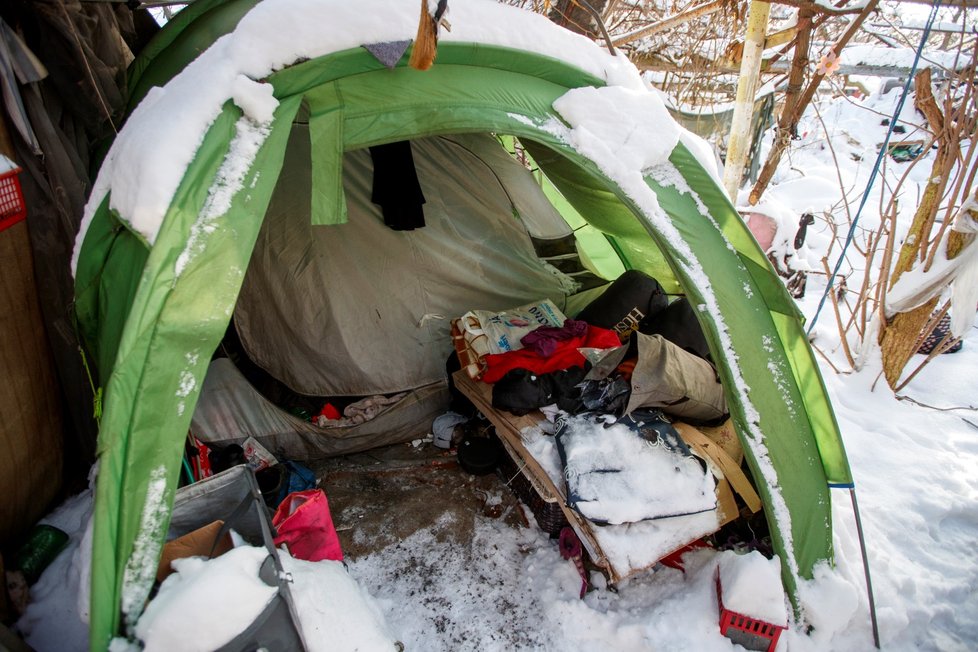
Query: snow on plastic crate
x=751 y=633
x=12 y=206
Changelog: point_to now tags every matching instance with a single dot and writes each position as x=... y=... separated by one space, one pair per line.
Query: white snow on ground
x=914 y=469
x=918 y=496
x=337 y=613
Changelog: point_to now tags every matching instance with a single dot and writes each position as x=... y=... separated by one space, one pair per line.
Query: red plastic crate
x=675 y=559
x=749 y=632
x=12 y=206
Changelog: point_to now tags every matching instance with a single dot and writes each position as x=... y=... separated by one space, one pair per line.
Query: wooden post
x=738 y=144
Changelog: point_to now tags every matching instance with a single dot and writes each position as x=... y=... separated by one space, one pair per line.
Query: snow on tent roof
x=150 y=156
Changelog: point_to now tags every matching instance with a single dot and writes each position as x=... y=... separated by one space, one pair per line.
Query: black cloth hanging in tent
x=396 y=187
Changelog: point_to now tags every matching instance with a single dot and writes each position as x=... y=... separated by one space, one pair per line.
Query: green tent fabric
x=153 y=314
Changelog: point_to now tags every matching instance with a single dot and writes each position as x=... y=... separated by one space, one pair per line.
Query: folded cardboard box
x=202 y=542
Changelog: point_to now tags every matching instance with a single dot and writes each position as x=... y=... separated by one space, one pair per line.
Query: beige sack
x=675 y=381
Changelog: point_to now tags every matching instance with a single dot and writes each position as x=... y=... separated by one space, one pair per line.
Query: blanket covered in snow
x=632 y=469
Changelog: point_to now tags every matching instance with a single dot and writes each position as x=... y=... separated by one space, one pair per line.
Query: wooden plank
x=731 y=471
x=30 y=415
x=726 y=505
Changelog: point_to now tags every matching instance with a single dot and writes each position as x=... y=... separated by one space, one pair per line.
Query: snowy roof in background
x=874 y=55
x=149 y=157
x=920 y=23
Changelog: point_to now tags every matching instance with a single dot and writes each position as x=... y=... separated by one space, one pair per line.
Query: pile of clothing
x=628 y=349
x=611 y=381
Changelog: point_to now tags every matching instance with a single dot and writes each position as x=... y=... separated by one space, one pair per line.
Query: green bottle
x=42 y=546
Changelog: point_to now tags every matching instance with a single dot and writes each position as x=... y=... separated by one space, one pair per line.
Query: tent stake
x=869 y=582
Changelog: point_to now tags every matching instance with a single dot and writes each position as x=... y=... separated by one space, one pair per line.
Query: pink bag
x=304 y=524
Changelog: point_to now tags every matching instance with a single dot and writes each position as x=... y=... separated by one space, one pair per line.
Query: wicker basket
x=549 y=516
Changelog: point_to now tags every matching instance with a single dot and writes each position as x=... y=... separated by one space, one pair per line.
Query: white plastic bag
x=257 y=455
x=505 y=329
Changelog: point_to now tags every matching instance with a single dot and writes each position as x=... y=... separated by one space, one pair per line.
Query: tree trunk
x=771 y=164
x=915 y=245
x=572 y=15
x=901 y=338
x=796 y=77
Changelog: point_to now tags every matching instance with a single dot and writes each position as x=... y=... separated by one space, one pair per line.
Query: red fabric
x=564 y=357
x=675 y=559
x=304 y=524
x=330 y=412
x=203 y=459
x=626 y=368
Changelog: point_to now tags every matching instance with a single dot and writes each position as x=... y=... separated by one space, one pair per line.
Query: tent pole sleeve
x=869 y=582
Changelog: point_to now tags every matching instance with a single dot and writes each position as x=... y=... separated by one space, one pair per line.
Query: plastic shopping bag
x=304 y=524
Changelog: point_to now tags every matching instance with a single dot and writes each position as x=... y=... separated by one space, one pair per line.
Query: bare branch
x=803 y=100
x=685 y=16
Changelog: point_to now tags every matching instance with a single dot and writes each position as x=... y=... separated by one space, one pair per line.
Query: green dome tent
x=257 y=93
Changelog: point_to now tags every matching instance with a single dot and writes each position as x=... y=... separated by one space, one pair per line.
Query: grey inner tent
x=359 y=309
